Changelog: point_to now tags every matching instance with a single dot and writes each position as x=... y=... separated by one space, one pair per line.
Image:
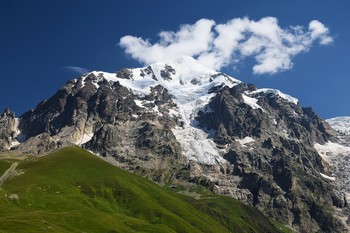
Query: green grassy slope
x=4 y=165
x=74 y=191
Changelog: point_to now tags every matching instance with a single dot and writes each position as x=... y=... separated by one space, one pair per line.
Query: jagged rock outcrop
x=8 y=129
x=186 y=127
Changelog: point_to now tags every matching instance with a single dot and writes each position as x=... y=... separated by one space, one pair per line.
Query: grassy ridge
x=74 y=191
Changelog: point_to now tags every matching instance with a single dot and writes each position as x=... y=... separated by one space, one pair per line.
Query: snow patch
x=96 y=85
x=139 y=103
x=327 y=177
x=276 y=92
x=252 y=102
x=14 y=144
x=155 y=109
x=245 y=141
x=83 y=83
x=87 y=136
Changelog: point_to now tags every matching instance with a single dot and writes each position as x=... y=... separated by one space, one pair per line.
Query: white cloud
x=75 y=69
x=318 y=30
x=222 y=45
x=190 y=40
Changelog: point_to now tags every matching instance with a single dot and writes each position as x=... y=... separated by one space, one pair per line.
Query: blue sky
x=43 y=44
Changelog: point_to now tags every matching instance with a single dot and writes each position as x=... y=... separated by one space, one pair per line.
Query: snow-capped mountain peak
x=185 y=78
x=189 y=84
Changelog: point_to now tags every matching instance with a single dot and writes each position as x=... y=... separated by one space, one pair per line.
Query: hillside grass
x=74 y=191
x=4 y=165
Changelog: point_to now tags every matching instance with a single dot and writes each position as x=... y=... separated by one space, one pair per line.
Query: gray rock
x=8 y=129
x=167 y=72
x=124 y=73
x=13 y=197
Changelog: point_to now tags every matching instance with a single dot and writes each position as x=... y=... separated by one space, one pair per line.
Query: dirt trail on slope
x=9 y=173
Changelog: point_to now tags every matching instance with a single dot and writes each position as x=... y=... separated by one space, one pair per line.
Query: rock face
x=181 y=124
x=279 y=165
x=8 y=130
x=107 y=118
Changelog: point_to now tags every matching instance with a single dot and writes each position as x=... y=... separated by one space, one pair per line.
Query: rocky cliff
x=9 y=130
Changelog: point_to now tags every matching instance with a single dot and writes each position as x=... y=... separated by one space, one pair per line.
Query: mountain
x=182 y=125
x=94 y=196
